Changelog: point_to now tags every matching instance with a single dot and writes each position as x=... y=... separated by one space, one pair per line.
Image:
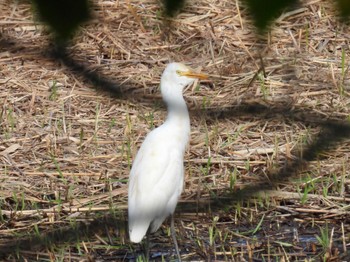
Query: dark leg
x=173 y=235
x=147 y=240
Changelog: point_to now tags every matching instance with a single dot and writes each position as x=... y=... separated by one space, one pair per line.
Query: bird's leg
x=173 y=235
x=146 y=246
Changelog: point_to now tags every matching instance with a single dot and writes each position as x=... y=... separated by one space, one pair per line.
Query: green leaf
x=263 y=12
x=343 y=7
x=62 y=16
x=172 y=7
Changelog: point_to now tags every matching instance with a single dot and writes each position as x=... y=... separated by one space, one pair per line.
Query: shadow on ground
x=332 y=133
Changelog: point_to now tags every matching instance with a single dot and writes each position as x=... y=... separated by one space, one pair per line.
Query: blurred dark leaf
x=62 y=16
x=172 y=7
x=264 y=11
x=343 y=7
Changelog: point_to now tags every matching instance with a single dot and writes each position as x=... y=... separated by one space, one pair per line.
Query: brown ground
x=67 y=141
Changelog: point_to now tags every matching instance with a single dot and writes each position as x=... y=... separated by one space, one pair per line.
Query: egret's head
x=178 y=76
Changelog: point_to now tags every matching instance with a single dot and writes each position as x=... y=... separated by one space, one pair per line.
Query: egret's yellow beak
x=192 y=74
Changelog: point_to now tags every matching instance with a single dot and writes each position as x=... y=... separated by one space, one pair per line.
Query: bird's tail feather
x=138 y=230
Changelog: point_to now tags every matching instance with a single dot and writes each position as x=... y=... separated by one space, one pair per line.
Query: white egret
x=157 y=173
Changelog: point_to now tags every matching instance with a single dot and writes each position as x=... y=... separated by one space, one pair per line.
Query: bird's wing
x=156 y=181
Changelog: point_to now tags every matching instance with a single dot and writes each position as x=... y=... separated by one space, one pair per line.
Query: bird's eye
x=178 y=72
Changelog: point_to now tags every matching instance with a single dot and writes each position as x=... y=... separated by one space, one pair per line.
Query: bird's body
x=157 y=191
x=157 y=174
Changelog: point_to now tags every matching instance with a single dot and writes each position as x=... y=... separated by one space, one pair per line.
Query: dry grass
x=67 y=142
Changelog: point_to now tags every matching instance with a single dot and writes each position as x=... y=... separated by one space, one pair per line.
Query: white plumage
x=157 y=174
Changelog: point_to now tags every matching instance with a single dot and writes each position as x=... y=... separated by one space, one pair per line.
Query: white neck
x=178 y=119
x=177 y=112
